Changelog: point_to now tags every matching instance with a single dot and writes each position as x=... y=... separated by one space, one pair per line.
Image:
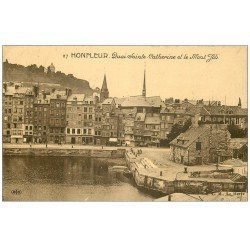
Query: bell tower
x=104 y=91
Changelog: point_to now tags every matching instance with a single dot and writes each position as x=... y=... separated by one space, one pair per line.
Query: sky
x=184 y=72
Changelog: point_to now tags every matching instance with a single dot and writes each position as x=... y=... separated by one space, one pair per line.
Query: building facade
x=202 y=144
x=57 y=121
x=41 y=118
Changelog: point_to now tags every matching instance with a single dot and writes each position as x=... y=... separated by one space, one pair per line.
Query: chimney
x=44 y=94
x=195 y=120
x=69 y=92
x=5 y=86
x=239 y=103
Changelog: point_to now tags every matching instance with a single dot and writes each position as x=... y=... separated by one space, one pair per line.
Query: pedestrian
x=46 y=145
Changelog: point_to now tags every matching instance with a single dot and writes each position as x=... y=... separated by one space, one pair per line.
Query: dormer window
x=222 y=111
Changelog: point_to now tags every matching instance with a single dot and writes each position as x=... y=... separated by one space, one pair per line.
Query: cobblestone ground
x=161 y=158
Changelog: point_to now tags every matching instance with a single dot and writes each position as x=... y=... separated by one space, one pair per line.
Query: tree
x=41 y=69
x=236 y=132
x=176 y=130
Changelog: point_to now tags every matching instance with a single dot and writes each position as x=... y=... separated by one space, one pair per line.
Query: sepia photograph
x=125 y=123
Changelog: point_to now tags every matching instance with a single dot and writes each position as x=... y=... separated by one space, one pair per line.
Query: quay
x=63 y=150
x=175 y=178
x=150 y=168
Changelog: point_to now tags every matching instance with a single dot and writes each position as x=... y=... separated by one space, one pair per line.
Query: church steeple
x=104 y=91
x=144 y=85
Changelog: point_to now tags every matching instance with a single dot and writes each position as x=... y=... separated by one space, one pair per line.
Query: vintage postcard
x=125 y=123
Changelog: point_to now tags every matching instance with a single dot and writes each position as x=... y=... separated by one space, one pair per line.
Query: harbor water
x=50 y=178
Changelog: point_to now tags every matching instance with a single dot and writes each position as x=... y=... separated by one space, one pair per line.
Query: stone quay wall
x=95 y=153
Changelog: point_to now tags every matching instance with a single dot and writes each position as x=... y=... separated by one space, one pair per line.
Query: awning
x=113 y=139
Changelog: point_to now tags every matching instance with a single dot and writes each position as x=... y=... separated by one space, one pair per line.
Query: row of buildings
x=30 y=115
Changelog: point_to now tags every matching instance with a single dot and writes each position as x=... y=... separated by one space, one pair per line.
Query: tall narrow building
x=104 y=91
x=144 y=85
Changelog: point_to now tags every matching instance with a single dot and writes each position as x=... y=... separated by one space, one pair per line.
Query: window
x=68 y=130
x=85 y=116
x=78 y=131
x=139 y=110
x=58 y=105
x=84 y=131
x=85 y=109
x=90 y=117
x=73 y=131
x=198 y=145
x=26 y=127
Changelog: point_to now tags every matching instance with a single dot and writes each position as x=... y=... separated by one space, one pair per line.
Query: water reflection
x=66 y=178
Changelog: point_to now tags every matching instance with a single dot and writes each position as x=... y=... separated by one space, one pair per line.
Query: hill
x=33 y=74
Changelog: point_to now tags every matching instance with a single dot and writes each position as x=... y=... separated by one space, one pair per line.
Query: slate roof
x=155 y=101
x=11 y=90
x=119 y=101
x=189 y=136
x=237 y=143
x=221 y=110
x=60 y=93
x=135 y=101
x=140 y=101
x=107 y=101
x=79 y=97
